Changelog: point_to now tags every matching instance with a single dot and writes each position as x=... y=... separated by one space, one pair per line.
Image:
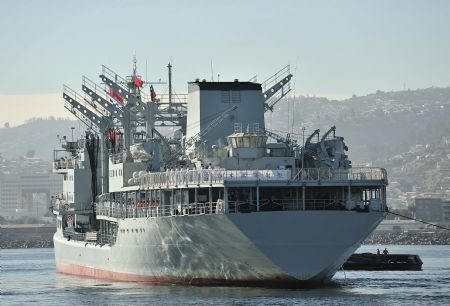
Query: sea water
x=27 y=276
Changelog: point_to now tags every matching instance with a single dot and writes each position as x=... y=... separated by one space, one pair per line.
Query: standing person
x=385 y=252
x=378 y=252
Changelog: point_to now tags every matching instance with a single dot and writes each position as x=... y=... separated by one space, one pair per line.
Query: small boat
x=390 y=262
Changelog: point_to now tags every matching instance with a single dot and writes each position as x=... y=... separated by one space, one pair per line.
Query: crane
x=287 y=140
x=276 y=87
x=197 y=137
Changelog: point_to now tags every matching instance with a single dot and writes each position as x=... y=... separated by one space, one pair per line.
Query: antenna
x=72 y=128
x=169 y=66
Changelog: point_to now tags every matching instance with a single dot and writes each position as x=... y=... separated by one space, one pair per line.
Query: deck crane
x=93 y=90
x=98 y=98
x=276 y=87
x=136 y=104
x=133 y=105
x=310 y=148
x=197 y=137
x=91 y=119
x=287 y=140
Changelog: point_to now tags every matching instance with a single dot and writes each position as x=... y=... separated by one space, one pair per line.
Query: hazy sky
x=335 y=48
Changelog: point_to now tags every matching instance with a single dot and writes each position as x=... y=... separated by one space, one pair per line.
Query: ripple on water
x=29 y=276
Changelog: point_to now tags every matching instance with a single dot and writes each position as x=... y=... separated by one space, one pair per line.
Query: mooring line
x=418 y=220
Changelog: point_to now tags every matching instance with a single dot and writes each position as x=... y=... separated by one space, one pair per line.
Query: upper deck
x=361 y=176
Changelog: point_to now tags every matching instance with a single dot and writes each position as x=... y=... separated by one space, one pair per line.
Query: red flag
x=112 y=135
x=138 y=81
x=152 y=94
x=116 y=95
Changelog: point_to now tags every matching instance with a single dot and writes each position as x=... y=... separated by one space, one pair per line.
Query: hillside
x=376 y=126
x=39 y=135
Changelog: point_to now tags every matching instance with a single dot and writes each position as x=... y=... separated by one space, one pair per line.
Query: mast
x=134 y=89
x=169 y=66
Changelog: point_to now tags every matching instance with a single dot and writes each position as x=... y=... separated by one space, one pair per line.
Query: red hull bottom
x=126 y=277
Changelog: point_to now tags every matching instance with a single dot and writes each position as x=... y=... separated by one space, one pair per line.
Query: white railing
x=210 y=176
x=219 y=176
x=283 y=204
x=63 y=164
x=153 y=209
x=59 y=203
x=176 y=98
x=328 y=174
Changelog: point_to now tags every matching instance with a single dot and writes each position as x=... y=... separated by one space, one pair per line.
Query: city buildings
x=26 y=186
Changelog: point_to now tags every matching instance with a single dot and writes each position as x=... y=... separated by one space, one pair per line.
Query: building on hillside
x=27 y=195
x=26 y=185
x=434 y=210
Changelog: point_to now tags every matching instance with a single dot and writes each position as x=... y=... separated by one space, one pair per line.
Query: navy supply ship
x=194 y=189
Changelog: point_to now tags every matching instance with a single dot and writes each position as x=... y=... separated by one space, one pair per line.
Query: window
x=235 y=96
x=225 y=96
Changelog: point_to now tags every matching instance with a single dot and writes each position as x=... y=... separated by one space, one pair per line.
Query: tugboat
x=216 y=199
x=385 y=262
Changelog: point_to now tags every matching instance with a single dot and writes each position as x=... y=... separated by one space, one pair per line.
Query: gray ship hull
x=286 y=248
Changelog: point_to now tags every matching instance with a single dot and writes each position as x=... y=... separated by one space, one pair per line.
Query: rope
x=418 y=220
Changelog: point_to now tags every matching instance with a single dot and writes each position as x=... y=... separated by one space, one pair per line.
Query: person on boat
x=378 y=252
x=385 y=252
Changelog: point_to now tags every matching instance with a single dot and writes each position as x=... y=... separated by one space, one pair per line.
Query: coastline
x=23 y=236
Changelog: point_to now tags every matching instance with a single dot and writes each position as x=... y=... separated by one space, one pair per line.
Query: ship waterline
x=285 y=248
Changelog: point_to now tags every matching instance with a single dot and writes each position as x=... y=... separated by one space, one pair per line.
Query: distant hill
x=36 y=134
x=375 y=126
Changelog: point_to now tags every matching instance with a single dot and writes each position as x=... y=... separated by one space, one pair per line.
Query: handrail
x=147 y=209
x=114 y=77
x=219 y=176
x=280 y=74
x=176 y=98
x=328 y=174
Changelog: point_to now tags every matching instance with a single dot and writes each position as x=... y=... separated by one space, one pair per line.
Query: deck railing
x=95 y=237
x=144 y=210
x=210 y=176
x=219 y=176
x=71 y=234
x=284 y=204
x=59 y=203
x=328 y=174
